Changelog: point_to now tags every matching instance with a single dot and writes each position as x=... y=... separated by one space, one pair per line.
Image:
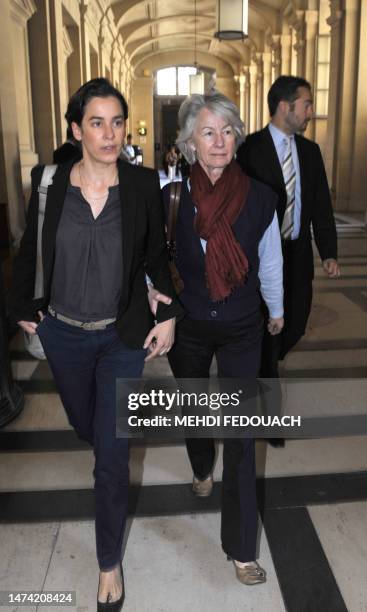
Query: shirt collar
x=278 y=135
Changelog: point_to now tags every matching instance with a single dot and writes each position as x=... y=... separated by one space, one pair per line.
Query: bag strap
x=46 y=181
x=174 y=202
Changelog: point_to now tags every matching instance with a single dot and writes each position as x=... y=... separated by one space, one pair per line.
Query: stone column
x=276 y=58
x=58 y=68
x=266 y=85
x=311 y=27
x=92 y=31
x=67 y=50
x=299 y=48
x=21 y=13
x=248 y=102
x=100 y=55
x=358 y=183
x=242 y=83
x=335 y=22
x=84 y=42
x=286 y=58
x=11 y=193
x=253 y=97
x=74 y=61
x=113 y=64
x=346 y=112
x=259 y=95
x=41 y=61
x=84 y=39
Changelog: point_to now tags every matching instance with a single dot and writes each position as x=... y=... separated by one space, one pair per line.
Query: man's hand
x=154 y=296
x=160 y=339
x=275 y=326
x=331 y=268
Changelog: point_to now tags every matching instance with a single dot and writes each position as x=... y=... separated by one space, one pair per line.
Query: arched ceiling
x=151 y=27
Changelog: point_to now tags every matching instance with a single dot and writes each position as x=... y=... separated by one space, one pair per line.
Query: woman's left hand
x=275 y=326
x=160 y=339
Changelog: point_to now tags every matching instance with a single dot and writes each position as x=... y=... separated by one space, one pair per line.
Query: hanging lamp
x=232 y=22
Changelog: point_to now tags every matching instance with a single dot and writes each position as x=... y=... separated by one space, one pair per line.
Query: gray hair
x=218 y=104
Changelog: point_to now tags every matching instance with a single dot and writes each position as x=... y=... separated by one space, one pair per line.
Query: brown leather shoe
x=250 y=574
x=202 y=488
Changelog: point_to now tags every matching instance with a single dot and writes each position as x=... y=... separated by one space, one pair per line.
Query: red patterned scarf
x=218 y=208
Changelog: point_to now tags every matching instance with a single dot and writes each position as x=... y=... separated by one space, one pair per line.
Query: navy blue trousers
x=85 y=365
x=237 y=347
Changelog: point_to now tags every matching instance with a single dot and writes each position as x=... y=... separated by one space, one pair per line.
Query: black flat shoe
x=276 y=442
x=113 y=606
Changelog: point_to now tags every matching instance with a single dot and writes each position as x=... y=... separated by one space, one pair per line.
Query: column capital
x=93 y=15
x=67 y=45
x=336 y=14
x=300 y=41
x=242 y=82
x=22 y=9
x=276 y=39
x=298 y=46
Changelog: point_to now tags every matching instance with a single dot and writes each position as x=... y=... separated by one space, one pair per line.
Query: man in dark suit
x=292 y=165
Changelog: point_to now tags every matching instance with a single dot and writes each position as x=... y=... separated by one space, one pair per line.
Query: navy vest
x=244 y=302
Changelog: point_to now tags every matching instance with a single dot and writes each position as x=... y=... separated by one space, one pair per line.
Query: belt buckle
x=93 y=325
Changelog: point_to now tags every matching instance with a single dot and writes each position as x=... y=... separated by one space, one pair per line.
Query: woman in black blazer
x=103 y=230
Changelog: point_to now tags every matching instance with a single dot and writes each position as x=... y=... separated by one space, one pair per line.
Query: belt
x=87 y=325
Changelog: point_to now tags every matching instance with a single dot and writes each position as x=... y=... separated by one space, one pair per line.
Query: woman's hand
x=275 y=326
x=30 y=326
x=154 y=296
x=160 y=339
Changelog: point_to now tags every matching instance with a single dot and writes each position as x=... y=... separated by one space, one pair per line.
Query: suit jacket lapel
x=128 y=198
x=303 y=178
x=272 y=157
x=275 y=169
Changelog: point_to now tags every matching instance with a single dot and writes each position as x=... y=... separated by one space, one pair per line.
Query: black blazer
x=258 y=157
x=144 y=250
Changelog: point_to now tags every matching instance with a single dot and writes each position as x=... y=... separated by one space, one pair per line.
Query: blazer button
x=214 y=313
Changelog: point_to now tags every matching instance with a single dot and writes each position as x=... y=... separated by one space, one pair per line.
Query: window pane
x=166 y=82
x=183 y=79
x=323 y=76
x=322 y=103
x=324 y=49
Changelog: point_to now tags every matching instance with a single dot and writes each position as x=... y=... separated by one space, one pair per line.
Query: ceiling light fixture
x=232 y=22
x=196 y=80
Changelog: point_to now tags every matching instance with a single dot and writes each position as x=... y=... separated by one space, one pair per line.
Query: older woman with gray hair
x=228 y=251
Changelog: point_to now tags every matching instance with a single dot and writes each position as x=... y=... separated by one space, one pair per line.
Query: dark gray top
x=87 y=277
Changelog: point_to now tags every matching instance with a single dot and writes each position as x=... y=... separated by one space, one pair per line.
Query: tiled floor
x=313 y=544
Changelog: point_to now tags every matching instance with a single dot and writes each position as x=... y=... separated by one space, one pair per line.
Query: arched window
x=174 y=81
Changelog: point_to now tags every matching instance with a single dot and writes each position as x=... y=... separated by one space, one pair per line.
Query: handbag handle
x=174 y=202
